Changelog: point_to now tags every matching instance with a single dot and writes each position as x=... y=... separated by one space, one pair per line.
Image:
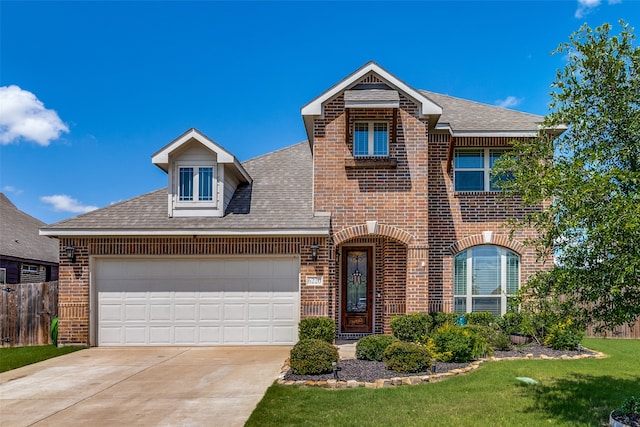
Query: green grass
x=16 y=357
x=571 y=393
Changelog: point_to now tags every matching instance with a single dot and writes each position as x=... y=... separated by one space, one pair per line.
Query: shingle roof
x=278 y=200
x=469 y=116
x=19 y=236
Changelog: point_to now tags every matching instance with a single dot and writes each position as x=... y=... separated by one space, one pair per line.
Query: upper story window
x=371 y=139
x=472 y=169
x=195 y=184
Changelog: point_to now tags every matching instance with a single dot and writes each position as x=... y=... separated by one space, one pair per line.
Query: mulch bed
x=368 y=371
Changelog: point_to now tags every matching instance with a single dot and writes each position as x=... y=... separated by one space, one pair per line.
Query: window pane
x=513 y=273
x=356 y=294
x=469 y=181
x=205 y=186
x=469 y=159
x=380 y=138
x=186 y=184
x=486 y=270
x=460 y=274
x=494 y=155
x=491 y=305
x=361 y=139
x=460 y=305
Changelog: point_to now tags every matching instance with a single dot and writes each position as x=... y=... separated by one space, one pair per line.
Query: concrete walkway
x=141 y=386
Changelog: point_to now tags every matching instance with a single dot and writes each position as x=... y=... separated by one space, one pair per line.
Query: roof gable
x=369 y=73
x=161 y=158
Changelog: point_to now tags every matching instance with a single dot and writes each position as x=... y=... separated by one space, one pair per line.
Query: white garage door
x=214 y=301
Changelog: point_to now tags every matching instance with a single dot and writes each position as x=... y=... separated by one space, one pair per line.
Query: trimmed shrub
x=516 y=323
x=312 y=357
x=441 y=319
x=373 y=346
x=564 y=336
x=407 y=357
x=318 y=328
x=483 y=318
x=411 y=327
x=457 y=344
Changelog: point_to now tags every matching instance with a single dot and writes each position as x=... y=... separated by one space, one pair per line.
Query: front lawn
x=571 y=392
x=16 y=357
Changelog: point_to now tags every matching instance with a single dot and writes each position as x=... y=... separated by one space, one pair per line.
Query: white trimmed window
x=196 y=184
x=370 y=139
x=485 y=278
x=3 y=275
x=29 y=268
x=472 y=169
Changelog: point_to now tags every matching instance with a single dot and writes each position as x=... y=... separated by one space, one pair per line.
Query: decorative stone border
x=419 y=379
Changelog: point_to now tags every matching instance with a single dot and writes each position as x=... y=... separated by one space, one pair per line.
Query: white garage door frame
x=243 y=300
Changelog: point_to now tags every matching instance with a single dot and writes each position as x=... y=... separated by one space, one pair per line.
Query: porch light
x=71 y=253
x=314 y=252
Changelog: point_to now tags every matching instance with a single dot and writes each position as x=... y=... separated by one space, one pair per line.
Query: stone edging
x=419 y=379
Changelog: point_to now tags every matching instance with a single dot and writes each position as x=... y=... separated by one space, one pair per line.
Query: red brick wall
x=74 y=289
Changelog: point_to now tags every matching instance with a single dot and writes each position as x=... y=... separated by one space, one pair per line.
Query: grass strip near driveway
x=16 y=357
x=571 y=392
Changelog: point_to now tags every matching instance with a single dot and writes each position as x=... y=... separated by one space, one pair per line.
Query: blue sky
x=90 y=90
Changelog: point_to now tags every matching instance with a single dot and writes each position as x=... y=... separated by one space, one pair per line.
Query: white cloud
x=586 y=6
x=508 y=102
x=23 y=116
x=64 y=203
x=11 y=189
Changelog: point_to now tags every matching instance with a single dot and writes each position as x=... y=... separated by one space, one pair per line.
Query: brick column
x=417 y=279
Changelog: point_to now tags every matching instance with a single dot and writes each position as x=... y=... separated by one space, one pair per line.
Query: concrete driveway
x=203 y=386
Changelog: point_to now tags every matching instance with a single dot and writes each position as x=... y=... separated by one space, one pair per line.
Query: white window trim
x=195 y=203
x=504 y=297
x=486 y=168
x=370 y=128
x=30 y=269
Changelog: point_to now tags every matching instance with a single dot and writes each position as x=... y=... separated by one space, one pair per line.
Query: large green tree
x=588 y=179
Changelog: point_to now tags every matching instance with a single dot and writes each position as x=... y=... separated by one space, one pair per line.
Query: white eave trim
x=428 y=107
x=187 y=232
x=488 y=133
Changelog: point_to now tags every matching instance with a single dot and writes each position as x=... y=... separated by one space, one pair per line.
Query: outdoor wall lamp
x=314 y=252
x=71 y=253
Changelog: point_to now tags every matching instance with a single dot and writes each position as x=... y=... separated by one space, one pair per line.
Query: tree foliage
x=588 y=178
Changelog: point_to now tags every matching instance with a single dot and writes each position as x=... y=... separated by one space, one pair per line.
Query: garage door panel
x=213 y=301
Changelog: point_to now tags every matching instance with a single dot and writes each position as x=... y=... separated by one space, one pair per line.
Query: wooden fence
x=26 y=312
x=623 y=331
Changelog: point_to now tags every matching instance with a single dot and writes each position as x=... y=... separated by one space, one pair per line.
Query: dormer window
x=371 y=139
x=196 y=183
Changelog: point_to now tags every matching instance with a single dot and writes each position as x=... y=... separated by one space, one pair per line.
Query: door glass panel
x=356 y=292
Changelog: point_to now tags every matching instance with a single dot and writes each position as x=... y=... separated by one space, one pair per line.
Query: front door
x=357 y=290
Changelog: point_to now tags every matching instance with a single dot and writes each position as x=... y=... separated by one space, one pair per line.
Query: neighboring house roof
x=469 y=118
x=19 y=236
x=279 y=201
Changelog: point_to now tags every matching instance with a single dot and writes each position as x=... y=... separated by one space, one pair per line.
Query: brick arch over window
x=487 y=238
x=362 y=230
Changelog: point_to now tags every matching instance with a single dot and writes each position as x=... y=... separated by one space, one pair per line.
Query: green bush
x=54 y=331
x=441 y=319
x=457 y=344
x=312 y=357
x=516 y=323
x=564 y=335
x=373 y=346
x=319 y=328
x=411 y=327
x=407 y=357
x=500 y=341
x=630 y=407
x=484 y=318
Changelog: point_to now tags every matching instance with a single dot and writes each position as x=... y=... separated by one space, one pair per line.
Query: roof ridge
x=484 y=104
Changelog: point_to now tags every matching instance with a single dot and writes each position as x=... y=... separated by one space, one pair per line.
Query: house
x=388 y=208
x=25 y=256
